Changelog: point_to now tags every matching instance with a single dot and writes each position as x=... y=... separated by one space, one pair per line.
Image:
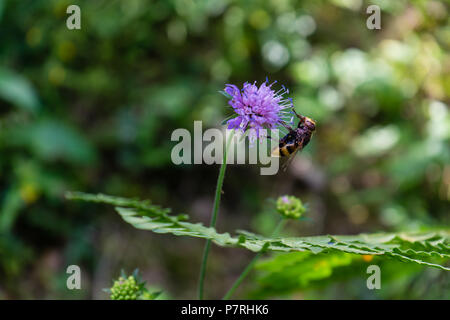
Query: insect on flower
x=262 y=108
x=258 y=108
x=296 y=139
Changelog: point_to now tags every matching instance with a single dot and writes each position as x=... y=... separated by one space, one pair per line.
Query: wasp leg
x=302 y=118
x=284 y=124
x=298 y=116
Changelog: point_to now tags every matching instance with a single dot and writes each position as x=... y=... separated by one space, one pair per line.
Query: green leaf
x=283 y=274
x=425 y=248
x=17 y=90
x=54 y=140
x=10 y=208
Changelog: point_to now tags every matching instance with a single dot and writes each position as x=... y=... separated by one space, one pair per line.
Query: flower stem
x=252 y=263
x=214 y=215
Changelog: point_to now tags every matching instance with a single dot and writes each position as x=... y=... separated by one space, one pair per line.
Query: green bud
x=290 y=207
x=125 y=289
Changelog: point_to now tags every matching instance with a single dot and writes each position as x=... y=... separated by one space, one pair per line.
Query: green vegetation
x=93 y=110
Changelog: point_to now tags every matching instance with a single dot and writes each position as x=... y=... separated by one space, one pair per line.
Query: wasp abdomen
x=287 y=150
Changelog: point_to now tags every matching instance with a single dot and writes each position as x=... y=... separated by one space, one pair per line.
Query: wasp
x=296 y=139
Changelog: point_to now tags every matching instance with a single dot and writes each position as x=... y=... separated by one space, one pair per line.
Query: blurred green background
x=93 y=110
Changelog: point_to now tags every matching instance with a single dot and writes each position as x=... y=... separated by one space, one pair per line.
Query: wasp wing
x=289 y=160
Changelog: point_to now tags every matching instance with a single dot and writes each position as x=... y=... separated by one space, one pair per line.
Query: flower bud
x=290 y=207
x=125 y=289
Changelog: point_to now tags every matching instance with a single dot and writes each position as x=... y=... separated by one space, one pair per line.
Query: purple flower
x=258 y=108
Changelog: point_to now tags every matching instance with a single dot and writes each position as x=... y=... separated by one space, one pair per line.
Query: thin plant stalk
x=214 y=214
x=252 y=263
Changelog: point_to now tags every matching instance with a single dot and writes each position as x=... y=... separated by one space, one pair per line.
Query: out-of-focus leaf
x=287 y=273
x=53 y=140
x=9 y=209
x=2 y=6
x=17 y=90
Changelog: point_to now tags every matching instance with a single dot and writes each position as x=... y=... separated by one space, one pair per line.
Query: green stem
x=214 y=215
x=252 y=263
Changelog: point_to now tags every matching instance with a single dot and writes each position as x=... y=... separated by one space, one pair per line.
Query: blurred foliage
x=93 y=110
x=306 y=275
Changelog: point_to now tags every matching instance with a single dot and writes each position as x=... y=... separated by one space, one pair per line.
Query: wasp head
x=309 y=123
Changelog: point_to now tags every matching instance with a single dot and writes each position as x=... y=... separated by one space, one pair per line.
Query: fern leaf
x=429 y=249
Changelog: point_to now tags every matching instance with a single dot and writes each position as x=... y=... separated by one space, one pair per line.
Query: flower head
x=290 y=207
x=258 y=107
x=131 y=288
x=125 y=289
